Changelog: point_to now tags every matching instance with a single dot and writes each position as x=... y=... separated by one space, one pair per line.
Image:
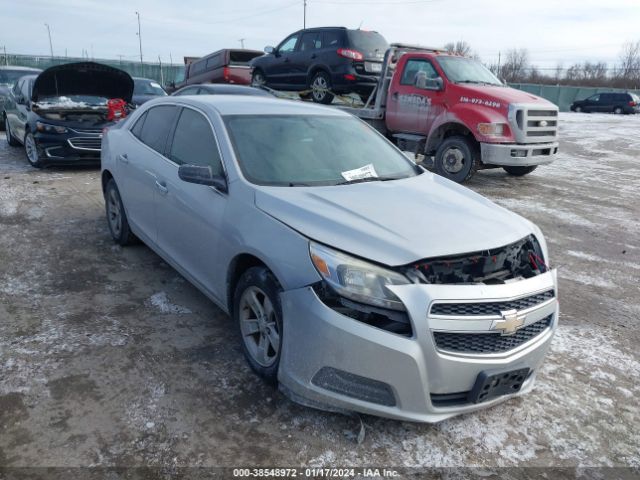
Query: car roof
x=250 y=105
x=222 y=88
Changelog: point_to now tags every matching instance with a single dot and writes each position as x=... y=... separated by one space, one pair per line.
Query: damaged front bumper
x=334 y=362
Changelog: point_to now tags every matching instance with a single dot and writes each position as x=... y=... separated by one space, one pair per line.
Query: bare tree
x=459 y=48
x=515 y=66
x=629 y=68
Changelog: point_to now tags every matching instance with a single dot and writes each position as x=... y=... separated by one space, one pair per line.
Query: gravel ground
x=110 y=358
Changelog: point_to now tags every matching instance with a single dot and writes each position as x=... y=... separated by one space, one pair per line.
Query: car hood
x=395 y=222
x=505 y=95
x=83 y=78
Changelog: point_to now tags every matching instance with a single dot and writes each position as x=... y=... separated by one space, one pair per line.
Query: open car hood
x=83 y=78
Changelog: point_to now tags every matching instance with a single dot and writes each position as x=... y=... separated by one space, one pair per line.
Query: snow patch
x=161 y=302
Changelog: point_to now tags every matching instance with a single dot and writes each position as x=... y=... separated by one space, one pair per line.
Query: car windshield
x=467 y=70
x=371 y=44
x=9 y=77
x=147 y=88
x=313 y=150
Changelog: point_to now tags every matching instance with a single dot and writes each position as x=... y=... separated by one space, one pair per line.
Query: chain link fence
x=161 y=73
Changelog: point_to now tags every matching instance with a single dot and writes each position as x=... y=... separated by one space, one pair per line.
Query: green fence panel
x=563 y=95
x=163 y=74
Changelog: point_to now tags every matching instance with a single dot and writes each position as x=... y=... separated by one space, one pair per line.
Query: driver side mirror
x=424 y=83
x=268 y=49
x=202 y=176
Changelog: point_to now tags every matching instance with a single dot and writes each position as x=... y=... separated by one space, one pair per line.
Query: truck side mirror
x=269 y=49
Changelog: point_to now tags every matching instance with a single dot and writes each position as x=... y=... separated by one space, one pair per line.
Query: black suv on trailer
x=608 y=102
x=326 y=60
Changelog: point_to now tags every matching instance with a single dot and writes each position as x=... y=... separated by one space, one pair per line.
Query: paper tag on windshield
x=363 y=172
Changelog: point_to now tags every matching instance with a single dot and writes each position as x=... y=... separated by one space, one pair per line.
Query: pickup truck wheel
x=257 y=79
x=32 y=150
x=116 y=216
x=258 y=315
x=457 y=159
x=11 y=140
x=519 y=171
x=321 y=86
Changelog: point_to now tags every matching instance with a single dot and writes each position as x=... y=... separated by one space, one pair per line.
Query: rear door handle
x=162 y=188
x=123 y=158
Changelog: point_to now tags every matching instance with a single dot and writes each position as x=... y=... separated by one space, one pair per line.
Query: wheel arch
x=237 y=266
x=105 y=177
x=315 y=69
x=445 y=130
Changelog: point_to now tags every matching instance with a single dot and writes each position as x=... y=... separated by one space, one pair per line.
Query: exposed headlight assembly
x=47 y=128
x=356 y=279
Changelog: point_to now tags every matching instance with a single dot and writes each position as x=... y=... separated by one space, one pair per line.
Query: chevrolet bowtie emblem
x=509 y=323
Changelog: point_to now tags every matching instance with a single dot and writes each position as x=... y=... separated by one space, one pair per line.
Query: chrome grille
x=93 y=131
x=490 y=308
x=86 y=143
x=489 y=342
x=528 y=124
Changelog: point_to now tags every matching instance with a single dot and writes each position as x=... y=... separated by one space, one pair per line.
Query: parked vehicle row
x=8 y=78
x=300 y=222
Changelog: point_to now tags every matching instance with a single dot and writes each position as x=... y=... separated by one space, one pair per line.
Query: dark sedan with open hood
x=60 y=114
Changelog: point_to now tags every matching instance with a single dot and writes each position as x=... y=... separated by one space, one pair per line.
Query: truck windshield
x=466 y=70
x=313 y=150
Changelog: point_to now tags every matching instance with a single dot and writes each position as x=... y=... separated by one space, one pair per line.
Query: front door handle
x=123 y=158
x=162 y=188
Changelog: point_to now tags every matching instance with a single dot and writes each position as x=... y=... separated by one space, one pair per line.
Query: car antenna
x=359 y=26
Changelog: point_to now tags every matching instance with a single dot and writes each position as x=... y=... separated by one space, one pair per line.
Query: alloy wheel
x=259 y=326
x=114 y=213
x=31 y=149
x=319 y=87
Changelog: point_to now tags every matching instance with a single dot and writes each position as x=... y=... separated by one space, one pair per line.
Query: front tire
x=116 y=216
x=320 y=88
x=11 y=140
x=519 y=171
x=33 y=152
x=257 y=313
x=457 y=159
x=578 y=109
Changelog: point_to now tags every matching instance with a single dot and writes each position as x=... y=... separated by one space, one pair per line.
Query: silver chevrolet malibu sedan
x=357 y=281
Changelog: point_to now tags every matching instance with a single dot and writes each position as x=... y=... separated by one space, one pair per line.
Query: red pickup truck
x=458 y=115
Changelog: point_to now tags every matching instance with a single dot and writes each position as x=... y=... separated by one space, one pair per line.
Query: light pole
x=304 y=17
x=140 y=42
x=241 y=43
x=50 y=44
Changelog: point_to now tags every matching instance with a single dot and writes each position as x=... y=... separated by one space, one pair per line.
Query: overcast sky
x=553 y=31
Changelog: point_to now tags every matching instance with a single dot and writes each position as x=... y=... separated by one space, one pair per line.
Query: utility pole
x=161 y=76
x=50 y=44
x=499 y=54
x=241 y=43
x=304 y=18
x=140 y=42
x=6 y=58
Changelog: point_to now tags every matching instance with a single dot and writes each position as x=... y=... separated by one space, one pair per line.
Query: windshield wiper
x=368 y=179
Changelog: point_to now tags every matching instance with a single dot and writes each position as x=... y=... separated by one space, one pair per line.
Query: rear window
x=238 y=57
x=371 y=44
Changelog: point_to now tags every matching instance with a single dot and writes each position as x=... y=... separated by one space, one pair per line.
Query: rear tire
x=33 y=151
x=258 y=79
x=618 y=111
x=117 y=216
x=457 y=159
x=11 y=140
x=517 y=171
x=321 y=87
x=257 y=313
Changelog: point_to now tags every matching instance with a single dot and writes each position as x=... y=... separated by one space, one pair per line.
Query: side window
x=25 y=90
x=332 y=39
x=187 y=91
x=213 y=62
x=412 y=67
x=289 y=45
x=137 y=127
x=594 y=98
x=17 y=87
x=194 y=142
x=311 y=41
x=157 y=125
